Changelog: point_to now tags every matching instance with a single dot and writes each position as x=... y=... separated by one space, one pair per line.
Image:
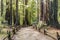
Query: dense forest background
x=19 y=13
x=22 y=12
x=40 y=15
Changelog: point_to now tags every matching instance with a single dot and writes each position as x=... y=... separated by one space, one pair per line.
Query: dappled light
x=29 y=19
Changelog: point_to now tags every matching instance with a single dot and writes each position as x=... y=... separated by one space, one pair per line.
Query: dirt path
x=30 y=34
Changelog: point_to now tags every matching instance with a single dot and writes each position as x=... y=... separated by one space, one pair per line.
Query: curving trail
x=30 y=34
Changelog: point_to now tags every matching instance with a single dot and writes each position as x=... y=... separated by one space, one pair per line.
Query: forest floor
x=28 y=33
x=51 y=32
x=3 y=33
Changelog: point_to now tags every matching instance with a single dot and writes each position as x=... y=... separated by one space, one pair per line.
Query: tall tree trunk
x=41 y=10
x=26 y=14
x=17 y=20
x=7 y=15
x=53 y=12
x=50 y=12
x=1 y=7
x=47 y=12
x=44 y=14
x=55 y=7
x=38 y=10
x=10 y=12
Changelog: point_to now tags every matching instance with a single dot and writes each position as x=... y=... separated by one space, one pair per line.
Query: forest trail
x=28 y=33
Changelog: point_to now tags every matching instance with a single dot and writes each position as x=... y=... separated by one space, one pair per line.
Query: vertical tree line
x=10 y=12
x=17 y=19
x=7 y=11
x=53 y=9
x=41 y=10
x=44 y=11
x=1 y=7
x=49 y=10
x=26 y=14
